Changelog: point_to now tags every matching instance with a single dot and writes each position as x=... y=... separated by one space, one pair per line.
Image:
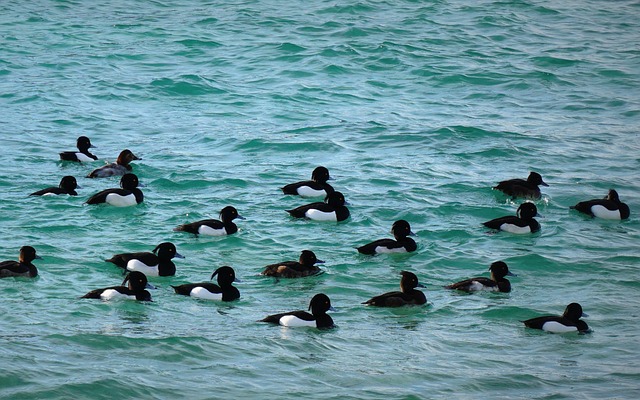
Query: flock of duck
x=159 y=261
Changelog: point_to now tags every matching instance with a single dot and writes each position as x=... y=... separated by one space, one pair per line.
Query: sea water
x=417 y=108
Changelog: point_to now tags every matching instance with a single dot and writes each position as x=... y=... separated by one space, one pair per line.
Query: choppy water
x=416 y=107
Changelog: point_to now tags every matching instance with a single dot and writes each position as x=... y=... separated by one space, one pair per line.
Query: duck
x=333 y=209
x=408 y=294
x=120 y=167
x=23 y=267
x=497 y=282
x=528 y=189
x=522 y=223
x=127 y=195
x=155 y=263
x=305 y=266
x=610 y=207
x=318 y=318
x=214 y=227
x=68 y=185
x=316 y=187
x=569 y=321
x=135 y=289
x=223 y=291
x=402 y=244
x=84 y=144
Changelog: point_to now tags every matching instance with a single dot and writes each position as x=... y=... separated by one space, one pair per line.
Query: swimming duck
x=522 y=223
x=402 y=243
x=23 y=267
x=295 y=269
x=568 y=322
x=135 y=289
x=224 y=290
x=156 y=263
x=408 y=294
x=214 y=227
x=68 y=185
x=316 y=187
x=120 y=167
x=318 y=318
x=608 y=208
x=127 y=195
x=333 y=209
x=497 y=282
x=528 y=188
x=84 y=144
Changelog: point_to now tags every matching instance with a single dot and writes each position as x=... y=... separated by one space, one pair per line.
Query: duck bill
x=178 y=255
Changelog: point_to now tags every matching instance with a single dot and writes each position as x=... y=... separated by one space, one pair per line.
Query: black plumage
x=84 y=144
x=224 y=288
x=529 y=188
x=23 y=267
x=223 y=226
x=332 y=209
x=401 y=231
x=497 y=282
x=305 y=266
x=408 y=294
x=68 y=185
x=318 y=183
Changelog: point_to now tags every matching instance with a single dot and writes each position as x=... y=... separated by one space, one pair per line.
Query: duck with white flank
x=316 y=187
x=223 y=291
x=214 y=227
x=84 y=144
x=156 y=263
x=521 y=223
x=318 y=318
x=402 y=244
x=135 y=290
x=608 y=208
x=497 y=282
x=333 y=209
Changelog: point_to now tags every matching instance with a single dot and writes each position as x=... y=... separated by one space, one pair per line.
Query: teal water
x=416 y=107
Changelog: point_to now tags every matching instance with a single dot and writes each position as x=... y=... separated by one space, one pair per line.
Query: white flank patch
x=121 y=201
x=321 y=216
x=207 y=230
x=49 y=194
x=137 y=265
x=293 y=321
x=111 y=294
x=515 y=229
x=386 y=250
x=306 y=191
x=602 y=212
x=476 y=286
x=202 y=293
x=83 y=157
x=557 y=327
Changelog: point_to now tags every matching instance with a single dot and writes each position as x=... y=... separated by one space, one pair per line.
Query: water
x=416 y=107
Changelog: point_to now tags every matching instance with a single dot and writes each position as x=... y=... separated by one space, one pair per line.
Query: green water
x=416 y=107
